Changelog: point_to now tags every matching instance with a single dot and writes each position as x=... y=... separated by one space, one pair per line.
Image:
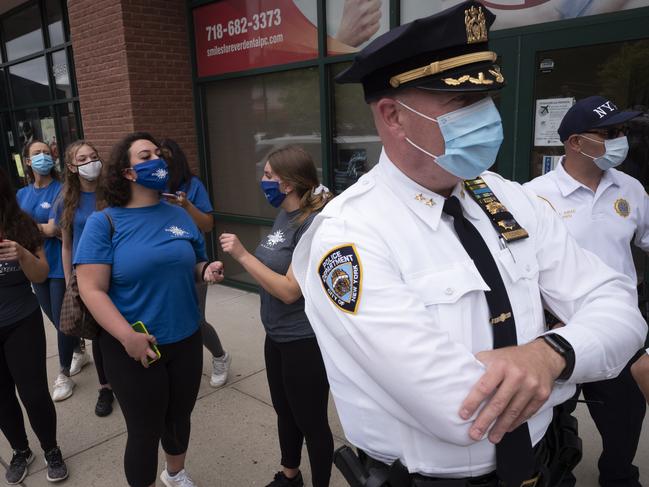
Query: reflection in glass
x=34 y=123
x=617 y=71
x=250 y=236
x=351 y=25
x=356 y=145
x=29 y=82
x=4 y=102
x=247 y=118
x=55 y=22
x=68 y=126
x=61 y=74
x=23 y=33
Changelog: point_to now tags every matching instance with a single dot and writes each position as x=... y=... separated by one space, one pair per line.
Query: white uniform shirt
x=605 y=221
x=400 y=367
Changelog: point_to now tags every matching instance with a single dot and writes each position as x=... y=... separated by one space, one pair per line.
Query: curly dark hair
x=179 y=171
x=114 y=189
x=15 y=224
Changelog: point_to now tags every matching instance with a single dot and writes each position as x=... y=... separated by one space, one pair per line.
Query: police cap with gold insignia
x=447 y=51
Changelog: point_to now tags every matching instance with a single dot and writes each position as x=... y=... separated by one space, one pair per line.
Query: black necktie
x=514 y=454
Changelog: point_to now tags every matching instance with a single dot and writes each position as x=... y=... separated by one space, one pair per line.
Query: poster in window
x=237 y=35
x=547 y=118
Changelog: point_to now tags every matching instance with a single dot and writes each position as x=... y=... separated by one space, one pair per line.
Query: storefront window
x=23 y=34
x=69 y=127
x=35 y=123
x=250 y=236
x=617 y=71
x=29 y=82
x=352 y=24
x=249 y=117
x=357 y=147
x=55 y=22
x=61 y=76
x=3 y=89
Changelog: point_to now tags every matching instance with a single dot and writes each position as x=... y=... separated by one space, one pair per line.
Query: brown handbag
x=76 y=320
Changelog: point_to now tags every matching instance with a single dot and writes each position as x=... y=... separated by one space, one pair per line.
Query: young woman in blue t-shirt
x=22 y=341
x=189 y=193
x=77 y=202
x=294 y=367
x=38 y=200
x=138 y=261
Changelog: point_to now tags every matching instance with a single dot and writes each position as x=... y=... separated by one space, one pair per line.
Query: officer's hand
x=517 y=382
x=640 y=372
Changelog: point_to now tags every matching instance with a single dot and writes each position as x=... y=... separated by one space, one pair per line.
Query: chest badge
x=341 y=275
x=622 y=207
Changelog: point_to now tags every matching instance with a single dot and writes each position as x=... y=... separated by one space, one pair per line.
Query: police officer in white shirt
x=604 y=210
x=424 y=290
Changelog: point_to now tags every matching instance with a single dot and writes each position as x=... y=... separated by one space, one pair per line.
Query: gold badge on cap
x=476 y=25
x=622 y=207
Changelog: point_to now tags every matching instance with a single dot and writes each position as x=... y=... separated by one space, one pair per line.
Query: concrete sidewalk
x=234 y=441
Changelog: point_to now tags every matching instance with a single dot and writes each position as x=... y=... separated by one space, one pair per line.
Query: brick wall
x=133 y=70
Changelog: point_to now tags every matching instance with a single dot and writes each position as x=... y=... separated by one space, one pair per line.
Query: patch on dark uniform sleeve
x=342 y=276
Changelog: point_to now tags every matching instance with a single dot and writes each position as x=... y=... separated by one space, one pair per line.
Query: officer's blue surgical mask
x=616 y=151
x=272 y=192
x=472 y=137
x=42 y=163
x=152 y=174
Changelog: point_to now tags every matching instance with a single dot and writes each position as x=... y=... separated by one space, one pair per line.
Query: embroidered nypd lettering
x=342 y=276
x=502 y=220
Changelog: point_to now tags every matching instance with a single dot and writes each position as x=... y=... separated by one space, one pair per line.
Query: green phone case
x=140 y=328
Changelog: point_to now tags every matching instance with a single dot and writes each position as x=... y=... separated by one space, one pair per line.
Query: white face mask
x=90 y=171
x=616 y=151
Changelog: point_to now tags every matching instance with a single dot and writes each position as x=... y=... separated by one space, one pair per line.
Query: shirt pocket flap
x=448 y=285
x=518 y=265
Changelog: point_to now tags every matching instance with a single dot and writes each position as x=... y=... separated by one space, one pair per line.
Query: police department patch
x=622 y=207
x=341 y=274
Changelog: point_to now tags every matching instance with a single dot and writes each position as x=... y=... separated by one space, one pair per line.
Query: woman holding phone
x=137 y=264
x=38 y=200
x=187 y=191
x=78 y=200
x=294 y=367
x=22 y=341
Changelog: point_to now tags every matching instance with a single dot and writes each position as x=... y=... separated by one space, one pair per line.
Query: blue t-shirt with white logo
x=153 y=253
x=39 y=204
x=197 y=194
x=87 y=206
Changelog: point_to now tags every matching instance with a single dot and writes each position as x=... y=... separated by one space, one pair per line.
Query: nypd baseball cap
x=592 y=113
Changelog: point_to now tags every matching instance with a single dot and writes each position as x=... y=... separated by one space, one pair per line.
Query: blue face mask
x=42 y=163
x=271 y=189
x=153 y=174
x=472 y=137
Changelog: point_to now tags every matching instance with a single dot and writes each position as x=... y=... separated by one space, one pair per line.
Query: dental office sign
x=235 y=35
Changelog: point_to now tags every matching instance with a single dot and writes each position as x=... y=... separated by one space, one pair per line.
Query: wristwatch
x=563 y=348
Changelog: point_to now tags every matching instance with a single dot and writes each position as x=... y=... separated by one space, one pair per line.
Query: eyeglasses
x=611 y=132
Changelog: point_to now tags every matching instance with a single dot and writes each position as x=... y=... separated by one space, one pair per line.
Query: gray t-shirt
x=17 y=300
x=283 y=322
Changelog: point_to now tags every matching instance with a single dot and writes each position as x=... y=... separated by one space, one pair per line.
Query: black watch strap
x=563 y=348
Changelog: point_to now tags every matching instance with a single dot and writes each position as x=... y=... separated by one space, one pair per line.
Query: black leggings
x=98 y=357
x=300 y=392
x=157 y=402
x=22 y=367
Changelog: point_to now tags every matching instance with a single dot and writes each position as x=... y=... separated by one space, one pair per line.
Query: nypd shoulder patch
x=342 y=277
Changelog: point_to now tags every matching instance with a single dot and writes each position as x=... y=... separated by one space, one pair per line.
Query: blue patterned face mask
x=472 y=138
x=273 y=194
x=42 y=163
x=153 y=174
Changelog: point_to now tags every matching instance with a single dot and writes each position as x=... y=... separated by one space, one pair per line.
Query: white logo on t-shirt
x=177 y=231
x=160 y=173
x=45 y=205
x=275 y=238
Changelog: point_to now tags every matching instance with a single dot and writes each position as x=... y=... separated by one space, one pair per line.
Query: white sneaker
x=79 y=359
x=181 y=479
x=220 y=369
x=63 y=387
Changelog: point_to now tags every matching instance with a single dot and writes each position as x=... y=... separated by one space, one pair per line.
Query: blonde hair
x=295 y=166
